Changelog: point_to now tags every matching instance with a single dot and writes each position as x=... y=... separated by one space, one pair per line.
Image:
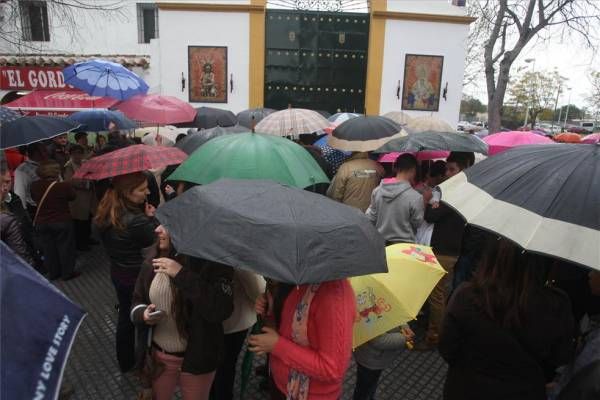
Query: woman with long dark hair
x=506 y=332
x=186 y=300
x=126 y=225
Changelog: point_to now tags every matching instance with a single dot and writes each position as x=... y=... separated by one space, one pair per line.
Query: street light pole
x=529 y=60
x=568 y=106
x=555 y=105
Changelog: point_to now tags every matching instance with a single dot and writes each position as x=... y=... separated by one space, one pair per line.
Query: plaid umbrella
x=7 y=115
x=399 y=117
x=292 y=122
x=427 y=124
x=128 y=160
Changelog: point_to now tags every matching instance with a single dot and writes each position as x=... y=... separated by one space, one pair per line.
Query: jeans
x=58 y=245
x=193 y=387
x=225 y=378
x=366 y=382
x=125 y=329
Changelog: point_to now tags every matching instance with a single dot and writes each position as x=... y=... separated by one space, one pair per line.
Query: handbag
x=149 y=370
x=39 y=207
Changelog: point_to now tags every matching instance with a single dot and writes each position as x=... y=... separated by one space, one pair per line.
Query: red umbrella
x=568 y=137
x=157 y=109
x=130 y=159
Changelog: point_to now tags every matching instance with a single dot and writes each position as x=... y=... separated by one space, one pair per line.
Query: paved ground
x=92 y=368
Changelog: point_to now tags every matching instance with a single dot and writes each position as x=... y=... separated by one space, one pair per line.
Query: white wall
x=180 y=29
x=427 y=38
x=441 y=7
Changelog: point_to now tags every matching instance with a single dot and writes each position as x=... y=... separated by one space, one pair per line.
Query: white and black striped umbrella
x=544 y=198
x=364 y=133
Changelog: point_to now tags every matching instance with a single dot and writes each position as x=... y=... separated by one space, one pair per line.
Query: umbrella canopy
x=168 y=135
x=364 y=133
x=482 y=133
x=399 y=117
x=99 y=119
x=210 y=117
x=544 y=198
x=130 y=159
x=292 y=122
x=502 y=141
x=334 y=157
x=339 y=118
x=8 y=115
x=254 y=115
x=593 y=138
x=385 y=301
x=157 y=109
x=420 y=155
x=567 y=137
x=105 y=79
x=436 y=141
x=192 y=141
x=428 y=124
x=27 y=130
x=283 y=233
x=251 y=156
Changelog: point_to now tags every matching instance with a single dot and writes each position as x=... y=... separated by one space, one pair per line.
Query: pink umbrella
x=502 y=141
x=157 y=109
x=421 y=156
x=593 y=138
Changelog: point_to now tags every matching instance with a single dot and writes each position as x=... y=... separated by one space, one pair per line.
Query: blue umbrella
x=29 y=130
x=334 y=157
x=99 y=119
x=7 y=115
x=39 y=325
x=105 y=79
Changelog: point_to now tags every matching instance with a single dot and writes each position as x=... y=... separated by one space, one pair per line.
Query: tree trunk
x=496 y=99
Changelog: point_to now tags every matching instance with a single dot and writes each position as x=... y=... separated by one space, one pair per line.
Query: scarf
x=298 y=383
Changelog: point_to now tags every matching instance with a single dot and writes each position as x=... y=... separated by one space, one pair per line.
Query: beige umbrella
x=428 y=124
x=292 y=122
x=168 y=135
x=399 y=117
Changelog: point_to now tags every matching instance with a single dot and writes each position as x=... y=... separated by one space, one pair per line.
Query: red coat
x=330 y=323
x=13 y=159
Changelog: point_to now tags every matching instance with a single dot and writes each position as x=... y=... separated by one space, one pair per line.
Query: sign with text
x=32 y=78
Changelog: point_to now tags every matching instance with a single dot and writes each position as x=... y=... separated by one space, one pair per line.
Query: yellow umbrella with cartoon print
x=385 y=301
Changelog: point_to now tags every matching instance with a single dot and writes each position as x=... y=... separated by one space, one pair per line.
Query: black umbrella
x=448 y=141
x=284 y=233
x=245 y=118
x=209 y=117
x=545 y=198
x=363 y=133
x=28 y=130
x=195 y=139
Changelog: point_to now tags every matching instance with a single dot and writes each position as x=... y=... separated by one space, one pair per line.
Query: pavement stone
x=93 y=372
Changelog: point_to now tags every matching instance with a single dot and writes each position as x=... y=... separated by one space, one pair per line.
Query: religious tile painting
x=422 y=82
x=207 y=74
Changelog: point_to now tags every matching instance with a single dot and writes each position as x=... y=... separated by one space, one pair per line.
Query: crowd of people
x=510 y=324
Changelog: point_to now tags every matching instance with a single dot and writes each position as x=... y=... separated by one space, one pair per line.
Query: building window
x=34 y=21
x=147 y=22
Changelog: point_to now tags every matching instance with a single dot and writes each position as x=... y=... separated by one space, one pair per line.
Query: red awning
x=58 y=102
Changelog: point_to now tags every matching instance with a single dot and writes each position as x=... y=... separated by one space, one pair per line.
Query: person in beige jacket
x=355 y=181
x=85 y=203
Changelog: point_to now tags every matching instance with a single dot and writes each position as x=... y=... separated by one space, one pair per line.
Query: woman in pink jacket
x=311 y=349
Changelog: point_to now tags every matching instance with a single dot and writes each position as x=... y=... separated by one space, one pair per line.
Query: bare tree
x=65 y=14
x=505 y=27
x=593 y=98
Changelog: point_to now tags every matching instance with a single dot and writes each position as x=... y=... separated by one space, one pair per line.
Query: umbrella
x=399 y=117
x=436 y=141
x=593 y=138
x=543 y=198
x=99 y=119
x=502 y=141
x=192 y=141
x=280 y=232
x=251 y=156
x=105 y=79
x=157 y=109
x=483 y=133
x=27 y=130
x=325 y=114
x=420 y=155
x=209 y=117
x=292 y=122
x=385 y=301
x=339 y=118
x=567 y=137
x=130 y=159
x=364 y=133
x=428 y=124
x=168 y=136
x=249 y=118
x=8 y=115
x=334 y=157
x=39 y=325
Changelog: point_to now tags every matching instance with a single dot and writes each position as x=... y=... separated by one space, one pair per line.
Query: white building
x=154 y=39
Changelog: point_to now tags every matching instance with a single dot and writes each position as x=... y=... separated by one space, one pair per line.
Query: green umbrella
x=251 y=156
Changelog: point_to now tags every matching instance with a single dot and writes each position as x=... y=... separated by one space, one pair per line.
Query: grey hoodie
x=396 y=210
